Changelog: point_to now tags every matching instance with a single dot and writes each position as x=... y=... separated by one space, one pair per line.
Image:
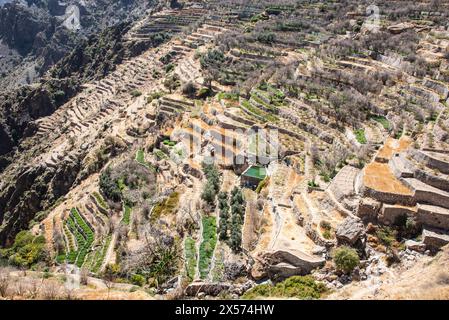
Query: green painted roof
x=256 y=172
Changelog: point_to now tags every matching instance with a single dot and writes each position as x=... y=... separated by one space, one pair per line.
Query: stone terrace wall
x=387 y=197
x=429 y=160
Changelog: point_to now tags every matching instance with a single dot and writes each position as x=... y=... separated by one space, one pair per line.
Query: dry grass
x=379 y=177
x=393 y=146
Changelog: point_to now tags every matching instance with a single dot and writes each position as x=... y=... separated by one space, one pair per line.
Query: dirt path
x=109 y=254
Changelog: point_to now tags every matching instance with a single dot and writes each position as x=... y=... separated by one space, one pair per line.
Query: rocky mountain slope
x=327 y=127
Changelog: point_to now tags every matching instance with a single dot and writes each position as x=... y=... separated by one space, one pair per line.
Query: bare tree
x=20 y=289
x=109 y=276
x=33 y=289
x=84 y=273
x=50 y=290
x=4 y=282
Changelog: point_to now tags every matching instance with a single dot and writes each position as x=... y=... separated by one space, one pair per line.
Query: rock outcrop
x=350 y=231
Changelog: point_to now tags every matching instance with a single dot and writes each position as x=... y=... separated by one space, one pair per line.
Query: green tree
x=209 y=193
x=26 y=251
x=236 y=233
x=346 y=259
x=224 y=215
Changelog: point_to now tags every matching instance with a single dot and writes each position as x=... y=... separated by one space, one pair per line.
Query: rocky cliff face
x=36 y=33
x=40 y=33
x=24 y=190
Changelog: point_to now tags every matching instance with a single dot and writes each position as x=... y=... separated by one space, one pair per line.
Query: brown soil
x=393 y=146
x=379 y=177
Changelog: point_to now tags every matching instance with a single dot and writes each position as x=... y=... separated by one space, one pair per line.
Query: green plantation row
x=191 y=257
x=96 y=258
x=80 y=238
x=207 y=246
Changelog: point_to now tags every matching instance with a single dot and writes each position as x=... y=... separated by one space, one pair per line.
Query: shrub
x=189 y=89
x=360 y=136
x=154 y=96
x=136 y=93
x=212 y=185
x=26 y=250
x=224 y=215
x=236 y=232
x=386 y=236
x=312 y=184
x=204 y=93
x=209 y=193
x=170 y=67
x=212 y=59
x=300 y=287
x=266 y=37
x=325 y=225
x=346 y=259
x=138 y=280
x=109 y=187
x=327 y=234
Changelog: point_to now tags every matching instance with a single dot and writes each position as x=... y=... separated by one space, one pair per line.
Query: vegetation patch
x=228 y=96
x=266 y=116
x=140 y=158
x=166 y=207
x=84 y=237
x=190 y=257
x=346 y=259
x=154 y=96
x=360 y=136
x=387 y=236
x=300 y=287
x=383 y=121
x=160 y=155
x=136 y=93
x=207 y=246
x=26 y=251
x=169 y=143
x=126 y=214
x=100 y=200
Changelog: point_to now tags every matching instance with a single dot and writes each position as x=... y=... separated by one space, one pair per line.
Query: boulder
x=284 y=270
x=280 y=263
x=211 y=289
x=400 y=27
x=415 y=246
x=435 y=239
x=235 y=267
x=350 y=230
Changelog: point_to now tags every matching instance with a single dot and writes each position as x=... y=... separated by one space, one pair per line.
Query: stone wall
x=386 y=197
x=433 y=216
x=439 y=87
x=429 y=160
x=238 y=119
x=390 y=213
x=368 y=210
x=440 y=182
